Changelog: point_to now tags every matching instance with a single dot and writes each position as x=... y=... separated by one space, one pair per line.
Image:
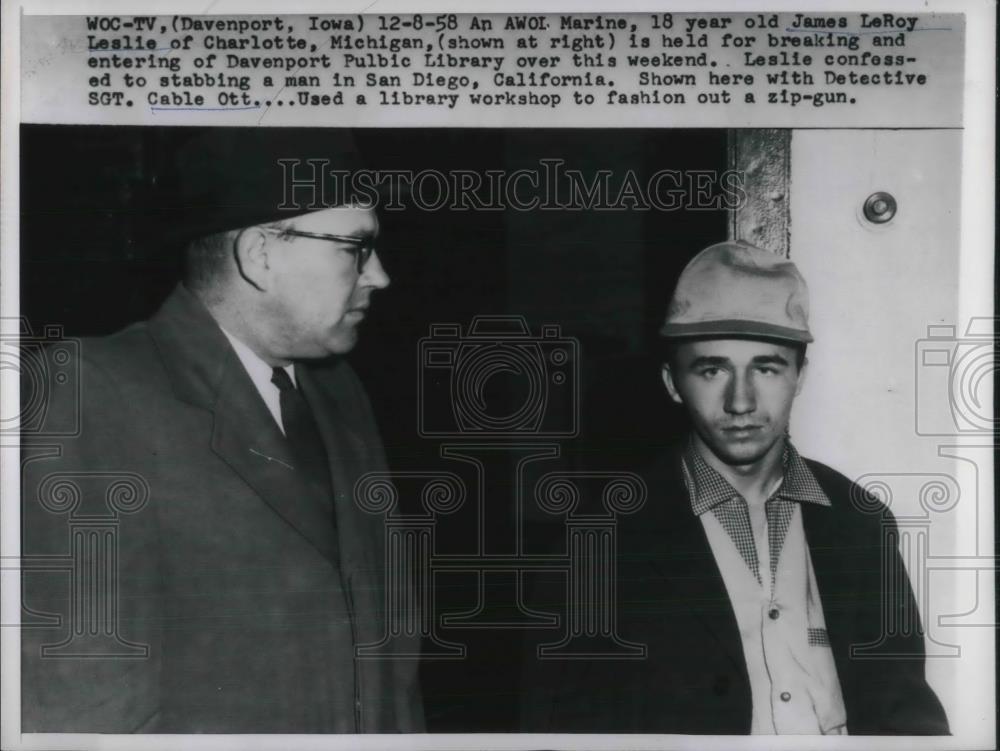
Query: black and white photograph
x=426 y=378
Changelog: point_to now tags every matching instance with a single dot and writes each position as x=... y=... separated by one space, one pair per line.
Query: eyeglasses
x=361 y=248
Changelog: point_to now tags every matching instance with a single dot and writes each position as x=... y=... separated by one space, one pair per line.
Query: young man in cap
x=754 y=577
x=244 y=578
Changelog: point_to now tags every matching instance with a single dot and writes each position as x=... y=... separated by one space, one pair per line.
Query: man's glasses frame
x=362 y=248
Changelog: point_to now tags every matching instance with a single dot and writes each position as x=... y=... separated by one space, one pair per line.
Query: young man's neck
x=754 y=481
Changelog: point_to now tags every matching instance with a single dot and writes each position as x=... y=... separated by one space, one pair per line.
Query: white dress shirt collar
x=260 y=373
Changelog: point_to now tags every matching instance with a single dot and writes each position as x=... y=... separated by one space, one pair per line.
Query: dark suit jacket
x=251 y=605
x=694 y=677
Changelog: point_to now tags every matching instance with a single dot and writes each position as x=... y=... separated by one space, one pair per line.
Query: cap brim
x=735 y=328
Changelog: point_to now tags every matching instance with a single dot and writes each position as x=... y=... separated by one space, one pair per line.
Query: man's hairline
x=671 y=344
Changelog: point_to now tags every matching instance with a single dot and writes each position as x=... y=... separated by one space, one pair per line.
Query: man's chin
x=738 y=453
x=343 y=343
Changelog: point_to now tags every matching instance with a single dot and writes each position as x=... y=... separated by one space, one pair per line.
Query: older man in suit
x=242 y=591
x=765 y=587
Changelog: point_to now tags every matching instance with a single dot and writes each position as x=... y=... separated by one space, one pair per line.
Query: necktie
x=302 y=434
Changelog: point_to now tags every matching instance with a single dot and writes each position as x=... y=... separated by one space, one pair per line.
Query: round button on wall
x=773 y=614
x=785 y=696
x=879 y=208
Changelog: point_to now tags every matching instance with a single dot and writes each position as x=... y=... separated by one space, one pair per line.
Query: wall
x=875 y=289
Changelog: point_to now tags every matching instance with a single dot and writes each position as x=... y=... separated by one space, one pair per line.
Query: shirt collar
x=800 y=483
x=708 y=488
x=258 y=370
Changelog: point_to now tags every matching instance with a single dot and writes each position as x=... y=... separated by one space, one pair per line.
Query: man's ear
x=668 y=381
x=251 y=255
x=803 y=370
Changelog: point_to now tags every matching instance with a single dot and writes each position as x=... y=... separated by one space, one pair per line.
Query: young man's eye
x=709 y=372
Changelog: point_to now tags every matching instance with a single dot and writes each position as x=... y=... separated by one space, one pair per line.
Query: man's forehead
x=734 y=349
x=339 y=220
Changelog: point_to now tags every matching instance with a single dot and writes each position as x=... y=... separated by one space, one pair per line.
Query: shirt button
x=785 y=696
x=773 y=614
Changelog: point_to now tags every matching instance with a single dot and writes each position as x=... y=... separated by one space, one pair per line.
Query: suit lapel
x=205 y=371
x=248 y=439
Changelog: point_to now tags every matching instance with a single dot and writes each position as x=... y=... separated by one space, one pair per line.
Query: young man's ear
x=668 y=381
x=251 y=255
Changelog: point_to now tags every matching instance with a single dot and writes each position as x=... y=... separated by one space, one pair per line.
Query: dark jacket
x=250 y=604
x=694 y=677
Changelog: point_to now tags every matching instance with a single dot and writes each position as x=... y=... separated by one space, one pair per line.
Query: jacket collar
x=671 y=540
x=195 y=352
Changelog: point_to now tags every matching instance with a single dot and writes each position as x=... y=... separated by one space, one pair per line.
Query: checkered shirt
x=710 y=491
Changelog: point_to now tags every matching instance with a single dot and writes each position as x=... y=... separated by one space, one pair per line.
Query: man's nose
x=741 y=398
x=373 y=275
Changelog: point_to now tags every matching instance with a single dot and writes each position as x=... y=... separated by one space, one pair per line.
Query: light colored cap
x=736 y=289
